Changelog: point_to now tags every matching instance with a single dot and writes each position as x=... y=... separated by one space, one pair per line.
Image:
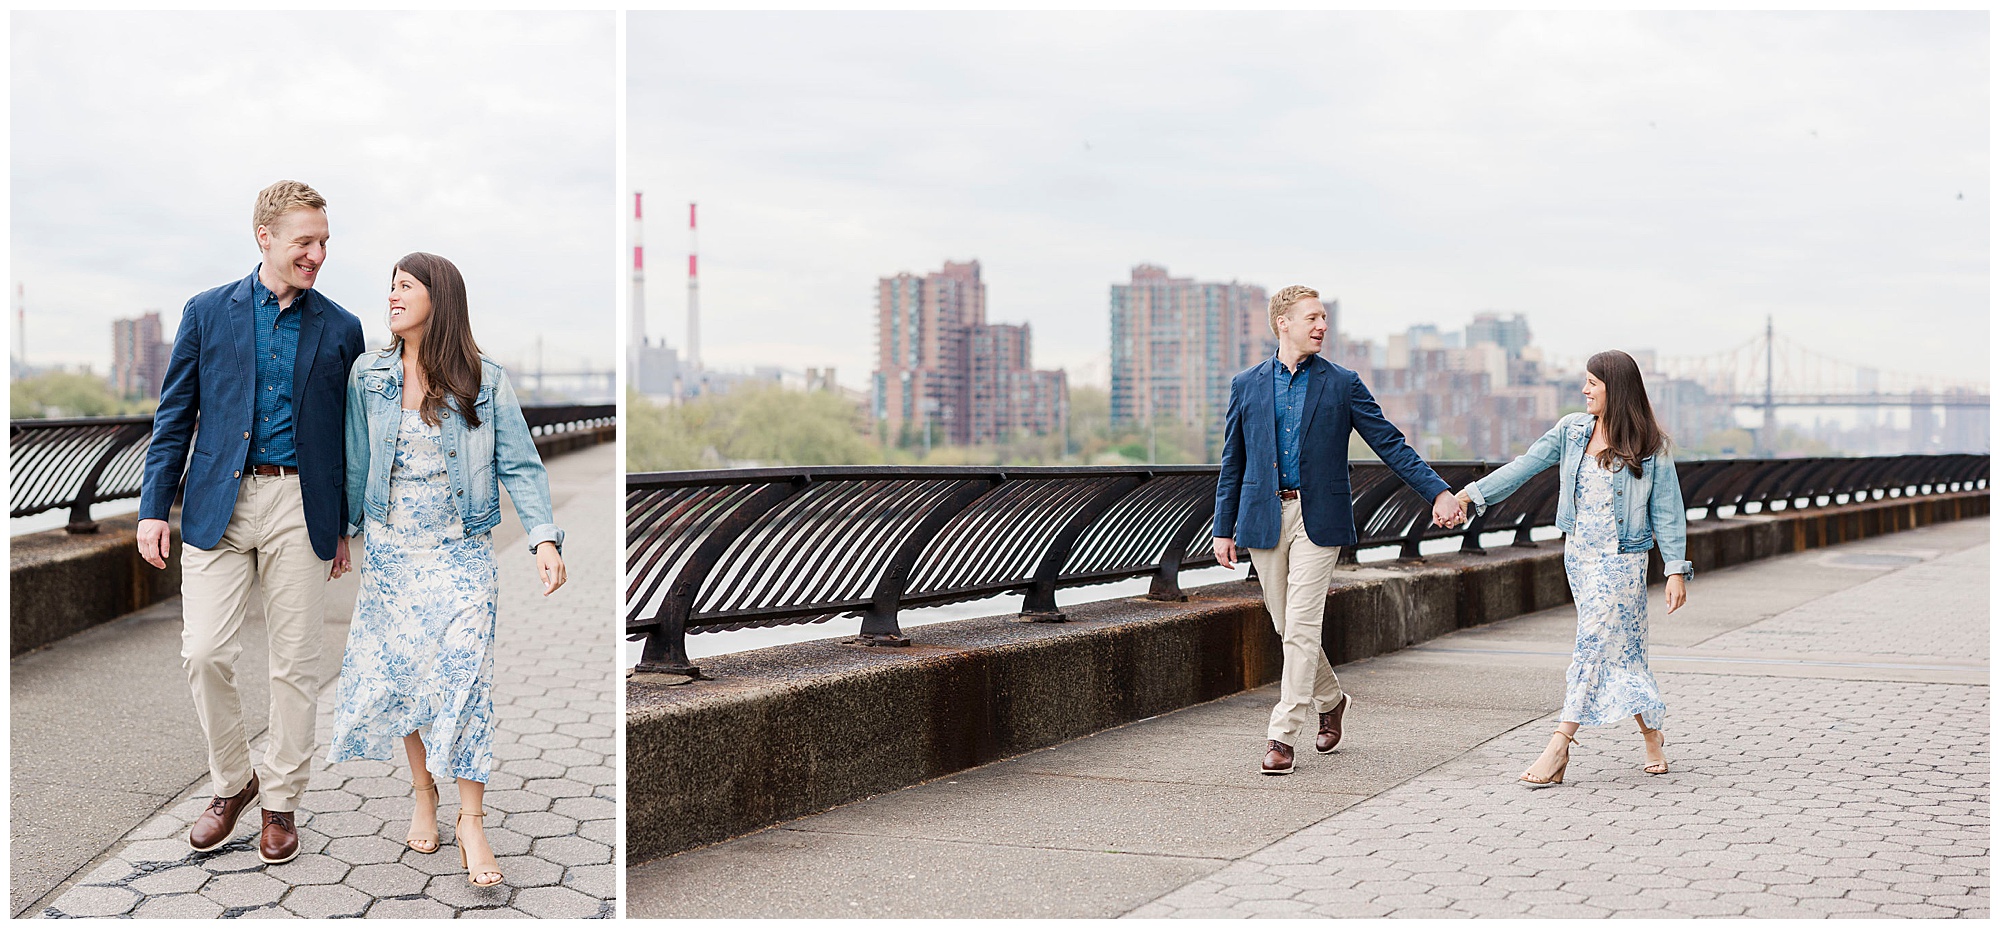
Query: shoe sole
x=1347 y=703
x=225 y=841
x=1271 y=773
x=294 y=854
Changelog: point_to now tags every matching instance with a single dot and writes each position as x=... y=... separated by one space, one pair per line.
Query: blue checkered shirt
x=277 y=353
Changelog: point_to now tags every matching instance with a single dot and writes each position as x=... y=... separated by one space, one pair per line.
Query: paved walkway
x=1828 y=730
x=551 y=800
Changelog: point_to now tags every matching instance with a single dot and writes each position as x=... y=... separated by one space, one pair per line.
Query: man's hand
x=1225 y=553
x=341 y=564
x=153 y=535
x=549 y=562
x=1446 y=511
x=1677 y=592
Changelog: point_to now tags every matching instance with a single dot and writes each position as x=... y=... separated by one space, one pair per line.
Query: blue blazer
x=1246 y=495
x=212 y=381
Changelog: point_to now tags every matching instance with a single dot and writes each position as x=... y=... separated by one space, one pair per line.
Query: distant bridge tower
x=635 y=336
x=694 y=299
x=1767 y=437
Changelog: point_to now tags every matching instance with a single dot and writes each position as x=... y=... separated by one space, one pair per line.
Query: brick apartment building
x=938 y=359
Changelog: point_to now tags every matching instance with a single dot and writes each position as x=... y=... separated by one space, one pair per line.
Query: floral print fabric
x=1609 y=679
x=420 y=651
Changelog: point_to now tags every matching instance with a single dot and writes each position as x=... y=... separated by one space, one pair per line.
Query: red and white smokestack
x=636 y=316
x=694 y=296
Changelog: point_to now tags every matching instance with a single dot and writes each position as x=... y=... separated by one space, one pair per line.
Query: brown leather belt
x=1288 y=495
x=270 y=470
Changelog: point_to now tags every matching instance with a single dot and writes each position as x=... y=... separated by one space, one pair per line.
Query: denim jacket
x=477 y=460
x=1649 y=507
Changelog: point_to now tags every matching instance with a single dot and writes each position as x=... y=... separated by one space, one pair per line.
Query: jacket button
x=237 y=474
x=246 y=435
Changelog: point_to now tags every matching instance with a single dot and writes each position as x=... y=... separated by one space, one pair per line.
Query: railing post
x=666 y=646
x=1040 y=604
x=80 y=522
x=1167 y=580
x=879 y=625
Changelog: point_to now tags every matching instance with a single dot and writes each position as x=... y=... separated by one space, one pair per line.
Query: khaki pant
x=266 y=542
x=1295 y=576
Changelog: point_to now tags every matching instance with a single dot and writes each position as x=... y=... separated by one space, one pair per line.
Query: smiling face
x=1302 y=329
x=1593 y=394
x=409 y=305
x=294 y=247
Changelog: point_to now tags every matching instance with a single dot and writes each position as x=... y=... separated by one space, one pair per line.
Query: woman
x=1619 y=497
x=432 y=429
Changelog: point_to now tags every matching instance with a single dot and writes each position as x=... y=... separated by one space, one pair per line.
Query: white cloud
x=1627 y=180
x=140 y=141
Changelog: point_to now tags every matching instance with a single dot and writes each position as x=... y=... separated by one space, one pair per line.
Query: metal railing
x=711 y=551
x=78 y=463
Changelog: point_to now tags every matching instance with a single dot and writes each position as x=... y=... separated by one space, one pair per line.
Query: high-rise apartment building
x=939 y=363
x=138 y=357
x=1489 y=328
x=1176 y=342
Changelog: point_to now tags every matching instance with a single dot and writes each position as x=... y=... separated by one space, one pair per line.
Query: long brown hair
x=1629 y=427
x=448 y=356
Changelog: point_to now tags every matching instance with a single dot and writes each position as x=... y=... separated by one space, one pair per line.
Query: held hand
x=153 y=535
x=549 y=562
x=1225 y=553
x=1446 y=510
x=1464 y=500
x=341 y=563
x=1677 y=592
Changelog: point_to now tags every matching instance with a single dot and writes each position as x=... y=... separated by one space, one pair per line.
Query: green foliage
x=64 y=394
x=748 y=426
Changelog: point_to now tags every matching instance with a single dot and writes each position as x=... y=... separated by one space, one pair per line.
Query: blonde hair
x=1282 y=301
x=281 y=198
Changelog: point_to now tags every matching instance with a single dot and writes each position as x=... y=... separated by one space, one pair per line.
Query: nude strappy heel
x=1535 y=783
x=416 y=837
x=1657 y=767
x=470 y=874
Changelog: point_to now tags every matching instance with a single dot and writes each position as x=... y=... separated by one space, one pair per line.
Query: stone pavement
x=551 y=813
x=1828 y=731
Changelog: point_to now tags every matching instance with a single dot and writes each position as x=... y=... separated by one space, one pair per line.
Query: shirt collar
x=1304 y=364
x=261 y=295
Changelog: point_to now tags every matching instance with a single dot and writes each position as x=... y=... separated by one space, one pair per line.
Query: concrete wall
x=792 y=730
x=63 y=584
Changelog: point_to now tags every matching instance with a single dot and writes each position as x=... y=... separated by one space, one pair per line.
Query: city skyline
x=1704 y=169
x=484 y=121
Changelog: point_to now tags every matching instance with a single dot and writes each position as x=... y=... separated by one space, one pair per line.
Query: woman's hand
x=1465 y=499
x=549 y=562
x=1677 y=592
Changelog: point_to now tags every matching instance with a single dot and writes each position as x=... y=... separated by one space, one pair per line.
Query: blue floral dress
x=1609 y=679
x=420 y=651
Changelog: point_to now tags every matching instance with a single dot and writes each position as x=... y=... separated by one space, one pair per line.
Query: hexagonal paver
x=246 y=889
x=572 y=850
x=327 y=901
x=555 y=903
x=178 y=906
x=387 y=880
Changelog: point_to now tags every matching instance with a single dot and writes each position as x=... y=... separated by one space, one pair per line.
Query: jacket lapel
x=242 y=316
x=1320 y=373
x=1263 y=397
x=310 y=325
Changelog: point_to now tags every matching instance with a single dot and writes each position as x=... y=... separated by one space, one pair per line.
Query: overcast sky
x=140 y=141
x=1634 y=181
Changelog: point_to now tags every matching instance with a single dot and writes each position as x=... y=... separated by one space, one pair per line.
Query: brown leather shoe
x=1329 y=726
x=279 y=841
x=1278 y=759
x=213 y=827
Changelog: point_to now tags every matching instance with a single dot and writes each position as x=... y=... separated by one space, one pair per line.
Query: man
x=1283 y=495
x=261 y=366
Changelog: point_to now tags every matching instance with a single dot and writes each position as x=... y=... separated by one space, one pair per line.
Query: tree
x=62 y=394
